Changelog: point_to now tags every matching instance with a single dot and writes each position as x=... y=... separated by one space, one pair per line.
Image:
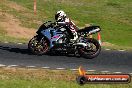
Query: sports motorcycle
x=52 y=38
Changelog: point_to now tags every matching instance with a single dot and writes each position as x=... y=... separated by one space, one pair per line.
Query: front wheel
x=38 y=47
x=92 y=49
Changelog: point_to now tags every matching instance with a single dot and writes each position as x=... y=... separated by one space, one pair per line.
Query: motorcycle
x=56 y=39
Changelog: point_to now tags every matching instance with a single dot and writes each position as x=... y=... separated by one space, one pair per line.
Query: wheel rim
x=90 y=49
x=45 y=46
x=37 y=47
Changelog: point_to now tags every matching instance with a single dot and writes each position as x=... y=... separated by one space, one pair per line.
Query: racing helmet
x=60 y=15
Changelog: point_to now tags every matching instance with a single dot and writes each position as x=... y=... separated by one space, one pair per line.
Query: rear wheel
x=38 y=47
x=92 y=49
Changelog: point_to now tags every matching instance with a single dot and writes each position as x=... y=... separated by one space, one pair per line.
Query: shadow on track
x=16 y=50
x=26 y=51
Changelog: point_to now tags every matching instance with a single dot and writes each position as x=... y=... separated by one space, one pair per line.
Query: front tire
x=92 y=50
x=38 y=46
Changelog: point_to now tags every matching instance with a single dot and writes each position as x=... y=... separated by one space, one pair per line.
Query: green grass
x=29 y=78
x=4 y=37
x=114 y=16
x=19 y=83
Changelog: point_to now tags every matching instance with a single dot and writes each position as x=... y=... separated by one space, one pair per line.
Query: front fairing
x=41 y=28
x=52 y=35
x=44 y=26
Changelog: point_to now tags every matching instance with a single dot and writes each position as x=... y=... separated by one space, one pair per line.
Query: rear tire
x=38 y=47
x=89 y=52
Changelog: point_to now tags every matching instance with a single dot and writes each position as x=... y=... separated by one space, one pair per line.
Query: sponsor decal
x=84 y=78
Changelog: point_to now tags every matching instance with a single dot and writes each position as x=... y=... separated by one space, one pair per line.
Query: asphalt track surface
x=108 y=60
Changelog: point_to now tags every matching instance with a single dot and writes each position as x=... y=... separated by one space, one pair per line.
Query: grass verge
x=39 y=78
x=114 y=17
x=5 y=38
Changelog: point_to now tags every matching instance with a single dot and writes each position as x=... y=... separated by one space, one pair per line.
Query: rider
x=62 y=20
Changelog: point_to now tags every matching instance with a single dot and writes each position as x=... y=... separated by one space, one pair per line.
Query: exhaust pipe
x=94 y=31
x=81 y=44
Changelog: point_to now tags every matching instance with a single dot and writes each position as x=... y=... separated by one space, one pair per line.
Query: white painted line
x=45 y=67
x=105 y=71
x=32 y=69
x=130 y=73
x=20 y=43
x=91 y=70
x=60 y=68
x=31 y=66
x=117 y=72
x=12 y=66
x=6 y=42
x=74 y=69
x=2 y=65
x=121 y=50
x=107 y=49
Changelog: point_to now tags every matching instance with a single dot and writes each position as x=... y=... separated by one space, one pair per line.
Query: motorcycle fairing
x=52 y=35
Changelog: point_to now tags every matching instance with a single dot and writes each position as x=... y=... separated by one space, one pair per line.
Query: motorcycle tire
x=38 y=48
x=87 y=53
